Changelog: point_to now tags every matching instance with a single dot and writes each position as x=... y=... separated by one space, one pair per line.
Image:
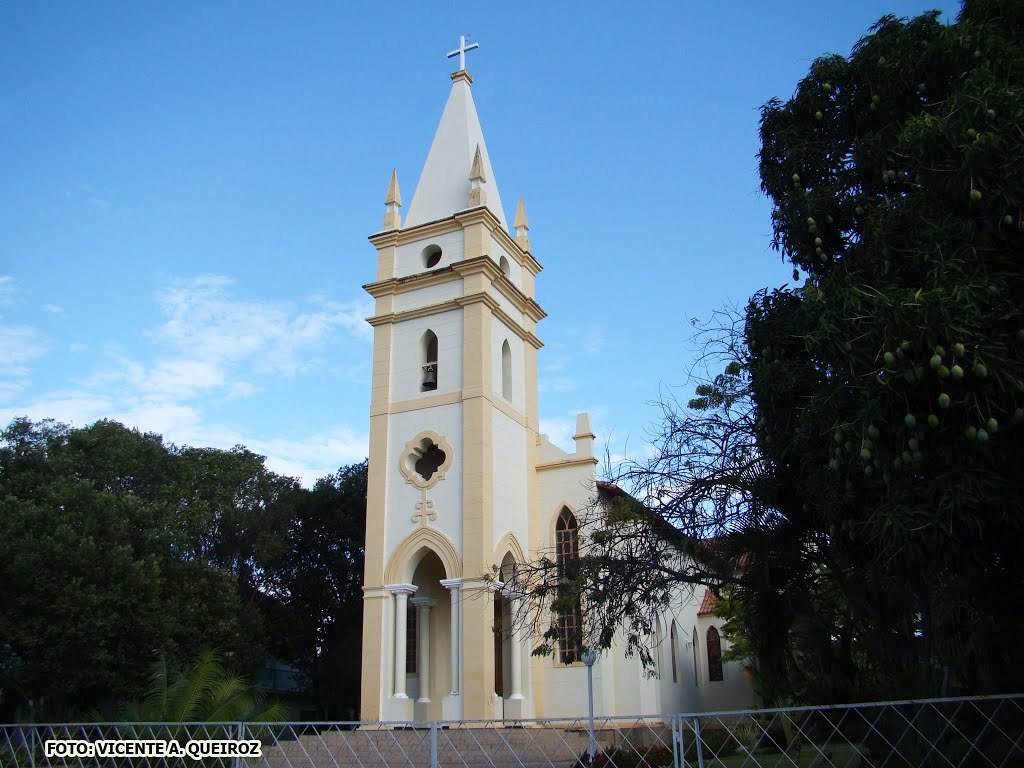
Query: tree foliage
x=889 y=386
x=848 y=471
x=116 y=547
x=205 y=690
x=315 y=596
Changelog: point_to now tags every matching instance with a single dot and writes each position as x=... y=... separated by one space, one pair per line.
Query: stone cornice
x=460 y=220
x=571 y=461
x=462 y=301
x=460 y=269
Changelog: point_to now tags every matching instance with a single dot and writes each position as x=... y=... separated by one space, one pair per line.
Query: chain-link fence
x=935 y=732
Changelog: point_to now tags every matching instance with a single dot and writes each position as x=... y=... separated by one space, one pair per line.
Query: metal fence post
x=678 y=758
x=433 y=744
x=698 y=745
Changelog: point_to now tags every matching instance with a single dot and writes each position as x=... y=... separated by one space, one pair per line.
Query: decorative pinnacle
x=477 y=179
x=522 y=226
x=393 y=201
x=477 y=171
x=393 y=195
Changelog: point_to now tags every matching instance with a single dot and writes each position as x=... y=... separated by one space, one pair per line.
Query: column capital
x=401 y=589
x=424 y=602
x=451 y=583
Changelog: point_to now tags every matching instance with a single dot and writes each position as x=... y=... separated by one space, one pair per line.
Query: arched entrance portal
x=428 y=644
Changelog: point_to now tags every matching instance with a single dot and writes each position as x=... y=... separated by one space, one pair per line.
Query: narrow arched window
x=714 y=654
x=506 y=370
x=570 y=620
x=429 y=344
x=672 y=649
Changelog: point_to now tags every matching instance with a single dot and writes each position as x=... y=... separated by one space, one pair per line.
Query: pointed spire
x=522 y=226
x=444 y=185
x=477 y=179
x=393 y=201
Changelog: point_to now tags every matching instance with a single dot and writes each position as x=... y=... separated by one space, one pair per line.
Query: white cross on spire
x=461 y=51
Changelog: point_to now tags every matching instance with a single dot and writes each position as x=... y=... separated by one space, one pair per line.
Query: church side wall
x=564 y=686
x=733 y=691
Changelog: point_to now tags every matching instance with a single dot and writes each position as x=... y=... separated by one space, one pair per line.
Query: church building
x=462 y=485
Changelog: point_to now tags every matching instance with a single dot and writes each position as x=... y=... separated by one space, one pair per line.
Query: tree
x=889 y=387
x=315 y=599
x=848 y=471
x=101 y=569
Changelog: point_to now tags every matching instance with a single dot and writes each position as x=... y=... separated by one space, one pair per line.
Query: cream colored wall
x=446 y=421
x=407 y=355
x=409 y=260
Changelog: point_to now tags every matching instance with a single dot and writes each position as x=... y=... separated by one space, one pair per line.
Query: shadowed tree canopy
x=116 y=548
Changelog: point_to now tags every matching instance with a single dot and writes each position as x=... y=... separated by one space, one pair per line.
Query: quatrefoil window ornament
x=426 y=459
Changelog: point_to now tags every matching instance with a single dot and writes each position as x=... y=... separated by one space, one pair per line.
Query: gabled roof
x=443 y=188
x=708 y=604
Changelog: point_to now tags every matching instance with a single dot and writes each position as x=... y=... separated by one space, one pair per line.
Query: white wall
x=407 y=355
x=431 y=294
x=514 y=270
x=509 y=473
x=402 y=496
x=500 y=333
x=409 y=259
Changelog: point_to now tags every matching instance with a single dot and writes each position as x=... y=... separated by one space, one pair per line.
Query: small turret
x=522 y=227
x=393 y=201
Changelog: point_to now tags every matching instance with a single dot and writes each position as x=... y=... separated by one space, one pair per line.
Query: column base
x=397 y=709
x=514 y=708
x=451 y=707
x=423 y=700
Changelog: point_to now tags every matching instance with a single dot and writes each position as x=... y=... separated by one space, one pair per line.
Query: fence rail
x=931 y=733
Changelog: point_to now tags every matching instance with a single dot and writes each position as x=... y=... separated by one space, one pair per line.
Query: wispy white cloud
x=19 y=344
x=209 y=347
x=207 y=323
x=53 y=309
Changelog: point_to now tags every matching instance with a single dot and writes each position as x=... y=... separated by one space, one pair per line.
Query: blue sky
x=186 y=190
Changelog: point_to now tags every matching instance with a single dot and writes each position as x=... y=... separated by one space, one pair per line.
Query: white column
x=401 y=593
x=453 y=586
x=515 y=651
x=423 y=606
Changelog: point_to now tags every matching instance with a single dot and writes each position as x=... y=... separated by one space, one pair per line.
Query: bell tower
x=453 y=436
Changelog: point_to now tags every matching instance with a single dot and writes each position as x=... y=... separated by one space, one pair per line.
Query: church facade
x=462 y=485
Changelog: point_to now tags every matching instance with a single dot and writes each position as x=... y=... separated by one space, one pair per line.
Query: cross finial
x=461 y=51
